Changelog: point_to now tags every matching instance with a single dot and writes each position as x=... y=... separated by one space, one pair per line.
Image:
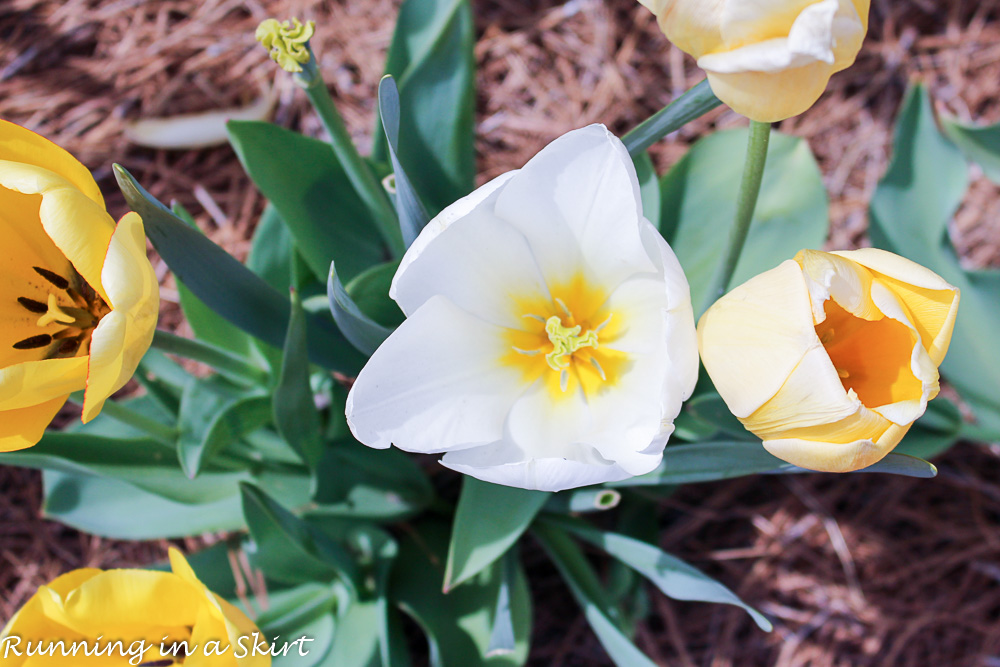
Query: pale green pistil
x=565 y=341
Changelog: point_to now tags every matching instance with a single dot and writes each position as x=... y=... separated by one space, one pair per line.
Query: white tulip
x=549 y=339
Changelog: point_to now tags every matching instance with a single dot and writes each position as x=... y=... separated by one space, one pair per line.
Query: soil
x=854 y=570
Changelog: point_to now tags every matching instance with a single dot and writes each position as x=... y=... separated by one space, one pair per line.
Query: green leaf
x=364 y=333
x=228 y=287
x=693 y=104
x=671 y=575
x=115 y=509
x=271 y=250
x=935 y=432
x=205 y=322
x=378 y=484
x=294 y=407
x=910 y=210
x=711 y=410
x=370 y=291
x=980 y=144
x=585 y=587
x=649 y=187
x=213 y=416
x=458 y=625
x=311 y=192
x=502 y=638
x=289 y=549
x=710 y=461
x=412 y=215
x=431 y=57
x=489 y=519
x=699 y=205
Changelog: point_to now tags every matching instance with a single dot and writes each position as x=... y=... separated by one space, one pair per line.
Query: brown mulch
x=856 y=570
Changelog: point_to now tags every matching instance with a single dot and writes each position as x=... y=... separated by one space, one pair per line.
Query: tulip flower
x=549 y=338
x=830 y=357
x=136 y=617
x=78 y=297
x=769 y=59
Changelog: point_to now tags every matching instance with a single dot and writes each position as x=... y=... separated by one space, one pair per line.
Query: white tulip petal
x=504 y=463
x=580 y=197
x=435 y=384
x=481 y=263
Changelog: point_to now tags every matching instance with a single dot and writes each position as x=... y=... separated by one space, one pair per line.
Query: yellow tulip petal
x=18 y=144
x=24 y=427
x=695 y=26
x=753 y=338
x=769 y=97
x=932 y=302
x=78 y=226
x=123 y=335
x=33 y=382
x=750 y=21
x=834 y=456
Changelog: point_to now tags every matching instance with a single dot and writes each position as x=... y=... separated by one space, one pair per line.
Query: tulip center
x=66 y=318
x=560 y=340
x=872 y=357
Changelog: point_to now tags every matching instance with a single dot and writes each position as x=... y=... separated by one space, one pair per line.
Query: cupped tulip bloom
x=78 y=297
x=137 y=617
x=549 y=339
x=767 y=59
x=830 y=357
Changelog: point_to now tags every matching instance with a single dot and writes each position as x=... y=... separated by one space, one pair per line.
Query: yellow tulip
x=136 y=617
x=78 y=297
x=830 y=357
x=767 y=59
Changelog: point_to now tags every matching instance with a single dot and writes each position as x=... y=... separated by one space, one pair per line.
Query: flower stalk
x=746 y=202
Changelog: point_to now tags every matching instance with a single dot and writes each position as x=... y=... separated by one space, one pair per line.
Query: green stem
x=746 y=202
x=695 y=103
x=232 y=366
x=157 y=430
x=358 y=172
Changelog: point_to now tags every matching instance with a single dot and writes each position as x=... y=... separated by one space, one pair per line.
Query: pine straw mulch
x=855 y=570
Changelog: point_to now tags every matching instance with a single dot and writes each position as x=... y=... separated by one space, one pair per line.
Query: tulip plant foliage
x=535 y=334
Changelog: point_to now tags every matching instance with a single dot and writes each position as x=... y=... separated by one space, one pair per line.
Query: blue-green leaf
x=489 y=519
x=981 y=144
x=699 y=205
x=431 y=57
x=412 y=214
x=295 y=412
x=364 y=333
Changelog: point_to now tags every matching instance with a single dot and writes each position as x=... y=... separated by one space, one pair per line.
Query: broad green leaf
x=212 y=416
x=295 y=412
x=592 y=598
x=290 y=550
x=110 y=508
x=711 y=410
x=710 y=461
x=502 y=639
x=699 y=205
x=363 y=483
x=364 y=333
x=370 y=291
x=910 y=210
x=302 y=616
x=459 y=624
x=980 y=144
x=412 y=215
x=205 y=322
x=935 y=432
x=358 y=639
x=693 y=104
x=228 y=287
x=431 y=57
x=271 y=250
x=489 y=519
x=302 y=179
x=671 y=575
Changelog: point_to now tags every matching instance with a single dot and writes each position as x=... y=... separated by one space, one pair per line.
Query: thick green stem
x=746 y=202
x=232 y=366
x=693 y=104
x=157 y=430
x=358 y=172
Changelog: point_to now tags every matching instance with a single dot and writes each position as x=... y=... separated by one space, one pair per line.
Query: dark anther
x=33 y=343
x=69 y=346
x=53 y=278
x=157 y=663
x=32 y=305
